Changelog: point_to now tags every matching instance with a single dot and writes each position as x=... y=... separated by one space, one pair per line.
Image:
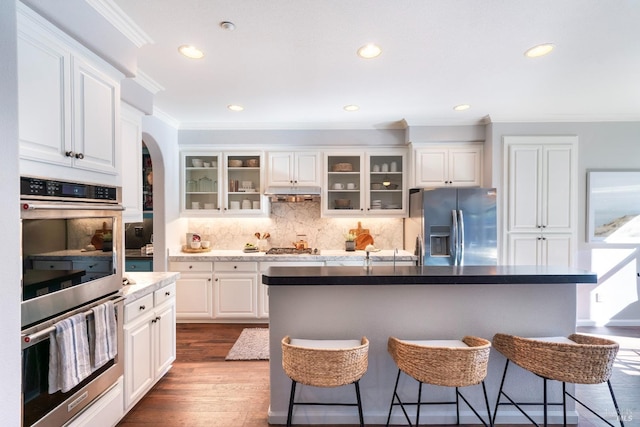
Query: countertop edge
x=146 y=283
x=441 y=275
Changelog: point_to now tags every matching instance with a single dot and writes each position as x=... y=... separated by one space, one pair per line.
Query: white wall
x=606 y=145
x=10 y=367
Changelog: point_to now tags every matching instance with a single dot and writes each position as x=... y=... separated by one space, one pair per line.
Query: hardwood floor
x=202 y=389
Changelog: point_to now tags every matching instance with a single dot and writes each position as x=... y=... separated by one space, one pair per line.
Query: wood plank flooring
x=202 y=389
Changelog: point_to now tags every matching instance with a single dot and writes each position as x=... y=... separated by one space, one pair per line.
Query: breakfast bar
x=413 y=302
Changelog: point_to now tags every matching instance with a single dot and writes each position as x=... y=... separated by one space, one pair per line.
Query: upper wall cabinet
x=372 y=184
x=458 y=165
x=217 y=183
x=69 y=105
x=287 y=168
x=131 y=131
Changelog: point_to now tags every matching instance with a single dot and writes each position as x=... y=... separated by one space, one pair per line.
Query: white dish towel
x=103 y=342
x=69 y=359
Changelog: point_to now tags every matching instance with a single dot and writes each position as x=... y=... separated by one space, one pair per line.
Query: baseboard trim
x=610 y=322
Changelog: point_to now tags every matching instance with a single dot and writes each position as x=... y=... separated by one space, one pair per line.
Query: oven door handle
x=70 y=206
x=27 y=338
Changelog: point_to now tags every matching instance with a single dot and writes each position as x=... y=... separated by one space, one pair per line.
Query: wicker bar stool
x=325 y=363
x=448 y=363
x=577 y=359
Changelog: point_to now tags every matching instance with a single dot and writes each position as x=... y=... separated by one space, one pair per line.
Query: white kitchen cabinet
x=263 y=290
x=150 y=341
x=541 y=181
x=194 y=290
x=294 y=168
x=69 y=105
x=458 y=165
x=359 y=183
x=131 y=138
x=222 y=183
x=235 y=290
x=541 y=199
x=549 y=249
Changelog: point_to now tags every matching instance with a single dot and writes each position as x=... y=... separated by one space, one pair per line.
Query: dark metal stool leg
x=357 y=384
x=419 y=402
x=293 y=392
x=486 y=402
x=544 y=394
x=457 y=406
x=615 y=403
x=504 y=375
x=393 y=398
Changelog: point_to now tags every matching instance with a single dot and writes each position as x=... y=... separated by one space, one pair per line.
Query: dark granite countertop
x=136 y=255
x=425 y=275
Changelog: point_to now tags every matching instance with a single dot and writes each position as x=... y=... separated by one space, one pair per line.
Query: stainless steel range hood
x=298 y=193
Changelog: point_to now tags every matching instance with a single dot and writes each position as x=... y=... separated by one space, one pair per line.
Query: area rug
x=252 y=344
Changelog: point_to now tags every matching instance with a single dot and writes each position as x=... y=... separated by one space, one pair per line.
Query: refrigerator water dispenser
x=439 y=238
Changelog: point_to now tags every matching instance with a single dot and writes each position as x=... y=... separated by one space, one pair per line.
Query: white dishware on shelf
x=385 y=167
x=246 y=204
x=394 y=167
x=195 y=205
x=338 y=186
x=210 y=206
x=376 y=168
x=256 y=204
x=234 y=204
x=197 y=163
x=351 y=186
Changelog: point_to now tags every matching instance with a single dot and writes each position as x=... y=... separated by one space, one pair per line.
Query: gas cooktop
x=291 y=251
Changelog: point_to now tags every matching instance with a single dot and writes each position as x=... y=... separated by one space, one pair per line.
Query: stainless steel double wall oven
x=71 y=262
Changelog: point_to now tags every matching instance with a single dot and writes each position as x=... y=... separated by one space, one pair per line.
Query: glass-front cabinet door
x=244 y=182
x=343 y=188
x=200 y=182
x=219 y=183
x=386 y=184
x=359 y=184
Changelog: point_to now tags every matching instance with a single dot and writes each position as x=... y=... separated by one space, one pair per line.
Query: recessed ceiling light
x=369 y=51
x=462 y=107
x=351 y=107
x=190 y=51
x=234 y=107
x=539 y=50
x=227 y=25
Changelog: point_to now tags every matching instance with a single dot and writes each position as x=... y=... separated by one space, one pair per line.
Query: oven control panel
x=46 y=188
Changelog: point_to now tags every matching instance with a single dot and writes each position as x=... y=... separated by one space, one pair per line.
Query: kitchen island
x=417 y=303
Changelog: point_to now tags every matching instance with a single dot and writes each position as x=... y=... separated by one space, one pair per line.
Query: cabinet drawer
x=237 y=266
x=138 y=265
x=190 y=266
x=52 y=265
x=138 y=308
x=164 y=294
x=91 y=266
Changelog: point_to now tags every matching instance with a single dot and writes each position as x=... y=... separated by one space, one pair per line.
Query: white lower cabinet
x=235 y=290
x=548 y=249
x=150 y=341
x=263 y=290
x=194 y=293
x=106 y=411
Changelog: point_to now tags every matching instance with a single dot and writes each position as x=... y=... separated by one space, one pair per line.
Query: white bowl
x=195 y=245
x=197 y=163
x=205 y=244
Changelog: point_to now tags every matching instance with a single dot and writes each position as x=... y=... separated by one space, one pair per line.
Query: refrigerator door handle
x=461 y=239
x=454 y=240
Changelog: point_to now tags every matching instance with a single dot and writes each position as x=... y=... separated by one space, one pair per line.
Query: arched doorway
x=159 y=231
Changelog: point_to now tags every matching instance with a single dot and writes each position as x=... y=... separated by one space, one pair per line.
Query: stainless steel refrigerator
x=452 y=226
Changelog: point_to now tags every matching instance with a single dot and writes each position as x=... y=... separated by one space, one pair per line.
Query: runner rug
x=252 y=344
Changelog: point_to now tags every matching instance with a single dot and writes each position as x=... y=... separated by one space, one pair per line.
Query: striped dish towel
x=69 y=361
x=103 y=342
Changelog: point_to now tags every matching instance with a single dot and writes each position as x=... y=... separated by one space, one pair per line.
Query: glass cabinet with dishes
x=372 y=183
x=200 y=182
x=218 y=183
x=244 y=181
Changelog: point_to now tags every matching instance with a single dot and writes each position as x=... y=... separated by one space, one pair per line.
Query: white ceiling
x=293 y=63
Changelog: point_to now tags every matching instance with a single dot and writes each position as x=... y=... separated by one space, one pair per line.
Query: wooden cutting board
x=363 y=237
x=358 y=231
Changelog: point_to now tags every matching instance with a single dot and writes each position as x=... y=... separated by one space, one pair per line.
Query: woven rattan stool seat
x=441 y=363
x=325 y=363
x=577 y=359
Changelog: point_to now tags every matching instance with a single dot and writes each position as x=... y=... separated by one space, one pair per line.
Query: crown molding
x=121 y=21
